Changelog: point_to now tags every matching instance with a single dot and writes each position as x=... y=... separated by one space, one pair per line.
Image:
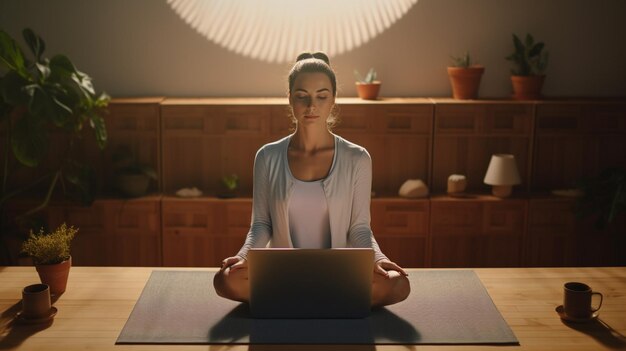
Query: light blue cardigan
x=347 y=188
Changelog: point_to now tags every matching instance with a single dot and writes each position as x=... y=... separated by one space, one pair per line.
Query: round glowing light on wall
x=278 y=30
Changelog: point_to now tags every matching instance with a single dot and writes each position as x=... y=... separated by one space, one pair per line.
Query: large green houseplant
x=38 y=97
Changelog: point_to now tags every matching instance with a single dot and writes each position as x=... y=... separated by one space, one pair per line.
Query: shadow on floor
x=12 y=333
x=600 y=331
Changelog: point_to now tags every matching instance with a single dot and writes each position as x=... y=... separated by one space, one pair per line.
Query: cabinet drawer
x=504 y=218
x=404 y=119
x=189 y=119
x=455 y=119
x=606 y=118
x=509 y=119
x=456 y=218
x=559 y=119
x=187 y=215
x=402 y=218
x=355 y=119
x=133 y=117
x=244 y=120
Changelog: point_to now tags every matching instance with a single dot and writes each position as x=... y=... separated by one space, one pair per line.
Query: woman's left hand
x=382 y=266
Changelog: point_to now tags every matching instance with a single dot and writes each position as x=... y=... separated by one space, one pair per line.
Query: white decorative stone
x=189 y=192
x=456 y=183
x=413 y=188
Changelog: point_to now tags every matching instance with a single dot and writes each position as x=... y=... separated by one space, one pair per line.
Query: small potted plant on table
x=51 y=255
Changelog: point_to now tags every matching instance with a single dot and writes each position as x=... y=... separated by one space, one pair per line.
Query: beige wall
x=141 y=47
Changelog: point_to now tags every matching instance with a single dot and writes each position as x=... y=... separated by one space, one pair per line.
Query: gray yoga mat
x=444 y=307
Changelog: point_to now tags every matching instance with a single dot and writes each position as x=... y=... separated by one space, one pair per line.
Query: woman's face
x=312 y=98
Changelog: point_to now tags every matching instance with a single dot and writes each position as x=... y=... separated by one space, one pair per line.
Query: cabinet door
x=477 y=233
x=116 y=233
x=186 y=232
x=574 y=141
x=401 y=230
x=201 y=233
x=557 y=238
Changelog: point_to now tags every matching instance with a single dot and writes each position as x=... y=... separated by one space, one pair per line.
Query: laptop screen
x=310 y=283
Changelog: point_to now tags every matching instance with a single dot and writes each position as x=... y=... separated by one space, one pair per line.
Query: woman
x=312 y=189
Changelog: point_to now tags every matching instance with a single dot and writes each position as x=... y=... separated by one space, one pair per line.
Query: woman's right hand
x=234 y=262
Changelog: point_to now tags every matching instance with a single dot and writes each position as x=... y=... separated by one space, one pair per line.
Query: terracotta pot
x=133 y=185
x=527 y=87
x=368 y=91
x=55 y=275
x=465 y=81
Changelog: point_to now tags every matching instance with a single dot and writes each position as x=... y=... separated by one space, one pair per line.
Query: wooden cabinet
x=398 y=137
x=401 y=229
x=195 y=142
x=467 y=134
x=202 y=232
x=114 y=232
x=576 y=140
x=209 y=138
x=204 y=140
x=133 y=125
x=482 y=231
x=557 y=238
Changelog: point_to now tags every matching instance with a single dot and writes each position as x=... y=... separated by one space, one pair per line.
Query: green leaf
x=62 y=112
x=529 y=40
x=62 y=62
x=12 y=88
x=519 y=47
x=29 y=141
x=35 y=43
x=41 y=105
x=97 y=123
x=44 y=71
x=536 y=49
x=11 y=55
x=102 y=101
x=84 y=84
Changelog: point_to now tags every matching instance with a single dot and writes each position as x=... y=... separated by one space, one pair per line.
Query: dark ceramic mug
x=36 y=301
x=577 y=300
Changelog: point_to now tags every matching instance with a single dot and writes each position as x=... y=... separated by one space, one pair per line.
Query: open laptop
x=310 y=283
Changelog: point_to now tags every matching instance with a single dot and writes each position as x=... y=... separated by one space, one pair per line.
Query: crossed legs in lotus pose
x=386 y=290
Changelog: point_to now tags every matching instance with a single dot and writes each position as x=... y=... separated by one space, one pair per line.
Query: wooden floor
x=99 y=300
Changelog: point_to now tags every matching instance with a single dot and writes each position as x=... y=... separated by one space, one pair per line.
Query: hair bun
x=316 y=55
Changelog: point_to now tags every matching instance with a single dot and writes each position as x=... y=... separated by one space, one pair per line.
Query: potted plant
x=132 y=178
x=367 y=87
x=50 y=253
x=465 y=77
x=229 y=185
x=42 y=97
x=531 y=62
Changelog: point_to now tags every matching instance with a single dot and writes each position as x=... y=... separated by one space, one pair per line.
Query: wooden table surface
x=99 y=300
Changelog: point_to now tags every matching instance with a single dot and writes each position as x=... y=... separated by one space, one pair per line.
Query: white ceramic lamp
x=502 y=174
